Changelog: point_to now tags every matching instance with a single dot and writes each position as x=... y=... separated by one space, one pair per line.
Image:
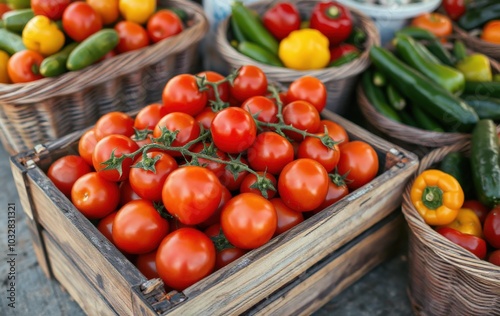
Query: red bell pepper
x=281 y=19
x=333 y=20
x=472 y=243
x=454 y=8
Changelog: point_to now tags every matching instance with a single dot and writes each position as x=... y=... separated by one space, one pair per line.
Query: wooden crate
x=103 y=281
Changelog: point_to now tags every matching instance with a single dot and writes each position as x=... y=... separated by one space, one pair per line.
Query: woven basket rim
x=327 y=74
x=476 y=40
x=32 y=92
x=442 y=247
x=410 y=134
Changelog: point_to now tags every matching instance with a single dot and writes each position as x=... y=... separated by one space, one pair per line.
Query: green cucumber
x=16 y=20
x=252 y=27
x=459 y=50
x=424 y=121
x=417 y=33
x=55 y=65
x=437 y=49
x=260 y=54
x=486 y=108
x=394 y=97
x=445 y=107
x=377 y=98
x=457 y=165
x=10 y=42
x=237 y=34
x=483 y=89
x=344 y=59
x=485 y=163
x=92 y=49
x=379 y=79
x=407 y=119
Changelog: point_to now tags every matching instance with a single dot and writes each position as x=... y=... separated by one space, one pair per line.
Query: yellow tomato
x=107 y=9
x=137 y=11
x=4 y=76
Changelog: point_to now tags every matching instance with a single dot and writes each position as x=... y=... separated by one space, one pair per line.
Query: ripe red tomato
x=494 y=257
x=132 y=36
x=491 y=228
x=205 y=117
x=265 y=108
x=216 y=167
x=86 y=146
x=301 y=115
x=287 y=218
x=270 y=152
x=105 y=226
x=149 y=116
x=182 y=94
x=191 y=194
x=127 y=194
x=480 y=209
x=309 y=89
x=66 y=170
x=312 y=147
x=149 y=183
x=454 y=8
x=233 y=130
x=53 y=9
x=185 y=257
x=249 y=82
x=336 y=131
x=117 y=145
x=336 y=190
x=138 y=227
x=187 y=127
x=248 y=221
x=359 y=161
x=281 y=19
x=251 y=179
x=114 y=123
x=228 y=180
x=3 y=9
x=163 y=24
x=146 y=264
x=80 y=21
x=303 y=184
x=222 y=89
x=94 y=196
x=23 y=66
x=226 y=255
x=215 y=217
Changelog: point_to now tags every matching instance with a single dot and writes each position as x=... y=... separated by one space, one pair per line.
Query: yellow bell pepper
x=475 y=67
x=137 y=11
x=305 y=49
x=437 y=196
x=43 y=36
x=467 y=222
x=4 y=75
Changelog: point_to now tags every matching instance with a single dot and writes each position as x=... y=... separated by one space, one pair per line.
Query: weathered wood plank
x=72 y=279
x=331 y=277
x=107 y=269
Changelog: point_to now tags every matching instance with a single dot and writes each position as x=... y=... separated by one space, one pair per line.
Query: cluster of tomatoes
x=185 y=189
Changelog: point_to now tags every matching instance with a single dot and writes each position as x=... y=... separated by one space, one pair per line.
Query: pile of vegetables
x=481 y=17
x=282 y=38
x=221 y=167
x=461 y=198
x=46 y=38
x=423 y=85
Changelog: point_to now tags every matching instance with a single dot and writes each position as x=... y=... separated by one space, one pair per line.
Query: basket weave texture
x=477 y=44
x=47 y=109
x=406 y=133
x=340 y=81
x=446 y=279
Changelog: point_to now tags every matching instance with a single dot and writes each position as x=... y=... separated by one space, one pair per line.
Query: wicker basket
x=446 y=279
x=340 y=82
x=477 y=44
x=47 y=109
x=406 y=133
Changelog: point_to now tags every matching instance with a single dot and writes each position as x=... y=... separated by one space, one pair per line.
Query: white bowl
x=389 y=19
